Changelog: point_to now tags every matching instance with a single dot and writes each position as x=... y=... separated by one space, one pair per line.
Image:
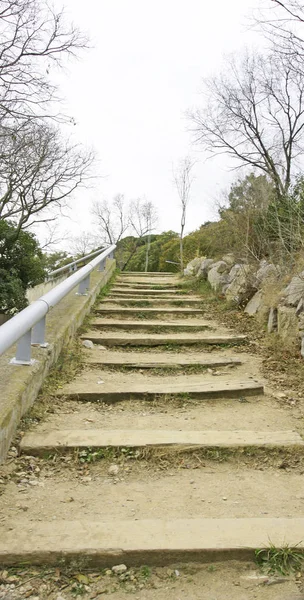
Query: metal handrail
x=70 y=266
x=28 y=327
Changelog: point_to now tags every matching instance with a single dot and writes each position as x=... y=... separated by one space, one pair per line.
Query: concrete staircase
x=153 y=425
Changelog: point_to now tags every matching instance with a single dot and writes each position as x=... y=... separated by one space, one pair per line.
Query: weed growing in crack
x=284 y=560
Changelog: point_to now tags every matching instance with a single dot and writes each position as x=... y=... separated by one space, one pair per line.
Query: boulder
x=240 y=287
x=294 y=292
x=193 y=266
x=255 y=304
x=204 y=267
x=288 y=325
x=218 y=275
x=221 y=266
x=229 y=259
x=267 y=272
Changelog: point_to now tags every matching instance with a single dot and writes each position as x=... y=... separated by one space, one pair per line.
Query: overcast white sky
x=130 y=92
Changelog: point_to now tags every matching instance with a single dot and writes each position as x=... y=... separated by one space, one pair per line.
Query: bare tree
x=183 y=179
x=38 y=172
x=112 y=219
x=143 y=219
x=83 y=244
x=255 y=113
x=33 y=37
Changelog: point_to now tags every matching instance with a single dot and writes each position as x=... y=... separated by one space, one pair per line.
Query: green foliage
x=12 y=297
x=21 y=266
x=55 y=260
x=284 y=560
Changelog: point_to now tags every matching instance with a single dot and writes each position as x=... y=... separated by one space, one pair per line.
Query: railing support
x=102 y=265
x=84 y=286
x=38 y=334
x=23 y=353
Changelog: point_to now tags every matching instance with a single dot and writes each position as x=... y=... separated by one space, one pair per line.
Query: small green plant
x=78 y=589
x=211 y=569
x=145 y=572
x=89 y=455
x=284 y=560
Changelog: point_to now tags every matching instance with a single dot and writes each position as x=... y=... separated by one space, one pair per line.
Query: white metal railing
x=72 y=266
x=28 y=327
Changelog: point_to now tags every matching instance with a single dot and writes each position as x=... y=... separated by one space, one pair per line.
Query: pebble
x=113 y=470
x=88 y=344
x=119 y=569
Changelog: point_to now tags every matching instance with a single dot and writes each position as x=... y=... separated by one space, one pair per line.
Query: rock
x=229 y=259
x=218 y=275
x=300 y=307
x=267 y=272
x=113 y=470
x=240 y=287
x=204 y=267
x=294 y=292
x=288 y=325
x=119 y=569
x=254 y=579
x=221 y=266
x=255 y=304
x=88 y=344
x=60 y=597
x=193 y=266
x=302 y=347
x=272 y=320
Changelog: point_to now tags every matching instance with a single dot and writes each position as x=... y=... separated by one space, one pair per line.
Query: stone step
x=145 y=324
x=52 y=441
x=149 y=542
x=141 y=285
x=168 y=301
x=86 y=387
x=150 y=311
x=139 y=291
x=148 y=274
x=161 y=361
x=151 y=340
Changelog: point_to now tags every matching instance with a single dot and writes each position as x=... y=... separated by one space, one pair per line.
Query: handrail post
x=38 y=334
x=102 y=265
x=23 y=352
x=84 y=286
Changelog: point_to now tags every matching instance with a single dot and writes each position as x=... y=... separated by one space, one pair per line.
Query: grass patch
x=283 y=561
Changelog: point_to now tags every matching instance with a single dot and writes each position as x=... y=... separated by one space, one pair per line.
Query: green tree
x=21 y=266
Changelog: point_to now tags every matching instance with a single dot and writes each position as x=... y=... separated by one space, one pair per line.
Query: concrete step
x=139 y=291
x=147 y=275
x=153 y=297
x=86 y=387
x=158 y=361
x=142 y=285
x=190 y=325
x=141 y=302
x=151 y=340
x=150 y=311
x=52 y=441
x=150 y=541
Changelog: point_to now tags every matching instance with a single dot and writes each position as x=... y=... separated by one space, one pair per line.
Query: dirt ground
x=161 y=485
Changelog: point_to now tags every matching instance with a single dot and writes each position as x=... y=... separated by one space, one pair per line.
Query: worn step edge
x=144 y=324
x=161 y=364
x=147 y=275
x=150 y=311
x=125 y=290
x=136 y=301
x=140 y=392
x=160 y=340
x=100 y=438
x=151 y=542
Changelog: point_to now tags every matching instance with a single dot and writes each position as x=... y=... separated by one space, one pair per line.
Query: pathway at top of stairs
x=169 y=443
